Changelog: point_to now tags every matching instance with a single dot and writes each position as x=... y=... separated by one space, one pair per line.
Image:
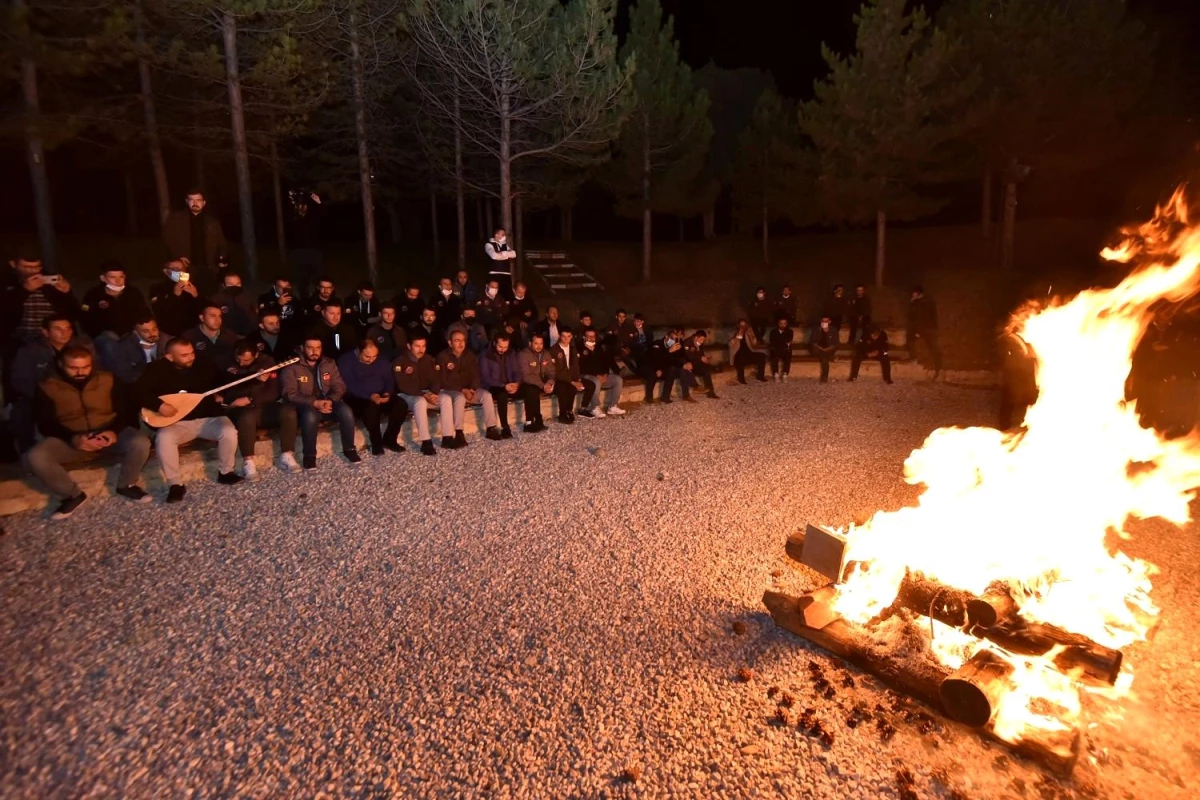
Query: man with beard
x=194 y=238
x=459 y=370
x=322 y=297
x=178 y=372
x=238 y=309
x=537 y=380
x=33 y=363
x=466 y=291
x=82 y=411
x=409 y=307
x=282 y=300
x=135 y=350
x=370 y=393
x=269 y=338
x=548 y=327
x=419 y=384
x=500 y=377
x=387 y=334
x=314 y=390
x=252 y=404
x=522 y=314
x=428 y=327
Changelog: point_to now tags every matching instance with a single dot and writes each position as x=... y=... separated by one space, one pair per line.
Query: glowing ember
x=1042 y=510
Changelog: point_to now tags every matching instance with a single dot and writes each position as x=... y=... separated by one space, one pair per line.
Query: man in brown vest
x=81 y=411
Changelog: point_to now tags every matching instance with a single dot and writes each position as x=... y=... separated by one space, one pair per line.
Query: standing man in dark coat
x=194 y=238
x=761 y=312
x=837 y=307
x=858 y=312
x=923 y=331
x=304 y=238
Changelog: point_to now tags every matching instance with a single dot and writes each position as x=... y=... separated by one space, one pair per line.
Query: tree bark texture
x=153 y=140
x=277 y=185
x=35 y=152
x=647 y=215
x=364 y=154
x=241 y=157
x=435 y=234
x=459 y=188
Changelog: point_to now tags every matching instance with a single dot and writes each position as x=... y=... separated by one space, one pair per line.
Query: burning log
x=1056 y=750
x=993 y=616
x=972 y=693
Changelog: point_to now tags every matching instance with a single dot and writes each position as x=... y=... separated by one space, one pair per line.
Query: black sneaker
x=229 y=479
x=687 y=398
x=506 y=433
x=665 y=400
x=889 y=381
x=175 y=493
x=761 y=379
x=395 y=447
x=493 y=433
x=352 y=456
x=67 y=507
x=712 y=396
x=427 y=448
x=650 y=401
x=447 y=442
x=742 y=381
x=135 y=493
x=583 y=412
x=565 y=419
x=537 y=426
x=310 y=462
x=377 y=451
x=460 y=440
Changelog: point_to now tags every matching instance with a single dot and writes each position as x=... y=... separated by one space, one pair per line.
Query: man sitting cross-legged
x=537 y=379
x=418 y=382
x=460 y=385
x=313 y=388
x=500 y=376
x=370 y=392
x=178 y=371
x=83 y=410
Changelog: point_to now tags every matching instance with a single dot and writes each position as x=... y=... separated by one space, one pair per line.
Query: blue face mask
x=670 y=342
x=175 y=276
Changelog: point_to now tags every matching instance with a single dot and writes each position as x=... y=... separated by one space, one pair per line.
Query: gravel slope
x=528 y=618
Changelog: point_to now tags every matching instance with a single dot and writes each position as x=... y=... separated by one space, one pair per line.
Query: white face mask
x=501 y=239
x=491 y=292
x=447 y=292
x=590 y=345
x=761 y=295
x=174 y=276
x=824 y=326
x=670 y=342
x=114 y=289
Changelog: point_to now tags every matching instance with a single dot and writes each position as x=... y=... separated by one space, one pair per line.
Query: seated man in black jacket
x=254 y=403
x=112 y=306
x=178 y=371
x=82 y=411
x=175 y=300
x=272 y=338
x=873 y=345
x=597 y=367
x=211 y=339
x=281 y=300
x=336 y=336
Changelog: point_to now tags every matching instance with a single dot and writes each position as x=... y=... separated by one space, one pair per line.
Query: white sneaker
x=598 y=413
x=785 y=377
x=287 y=463
x=615 y=411
x=777 y=377
x=249 y=471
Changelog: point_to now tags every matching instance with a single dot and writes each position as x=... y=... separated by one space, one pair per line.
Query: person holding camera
x=175 y=300
x=31 y=298
x=82 y=411
x=282 y=300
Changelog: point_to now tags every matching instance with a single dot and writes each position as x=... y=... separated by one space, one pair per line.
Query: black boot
x=493 y=433
x=460 y=441
x=447 y=442
x=427 y=448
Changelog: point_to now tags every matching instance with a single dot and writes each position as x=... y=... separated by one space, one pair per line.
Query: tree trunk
x=397 y=228
x=880 y=245
x=153 y=142
x=518 y=237
x=986 y=205
x=241 y=157
x=277 y=184
x=364 y=155
x=198 y=153
x=505 y=159
x=710 y=222
x=491 y=218
x=647 y=216
x=1008 y=233
x=35 y=151
x=131 y=220
x=460 y=199
x=479 y=222
x=433 y=222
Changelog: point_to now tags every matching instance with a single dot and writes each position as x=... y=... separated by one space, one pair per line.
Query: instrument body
x=185 y=403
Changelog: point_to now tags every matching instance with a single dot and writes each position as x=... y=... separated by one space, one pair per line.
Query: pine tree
x=661 y=149
x=885 y=119
x=1057 y=77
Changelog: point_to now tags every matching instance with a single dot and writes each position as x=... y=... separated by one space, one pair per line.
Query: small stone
x=631 y=774
x=599 y=452
x=745 y=674
x=739 y=627
x=750 y=749
x=661 y=476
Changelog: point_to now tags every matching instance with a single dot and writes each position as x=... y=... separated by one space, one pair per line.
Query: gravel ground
x=592 y=628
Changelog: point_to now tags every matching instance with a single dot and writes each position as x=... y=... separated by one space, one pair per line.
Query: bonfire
x=1010 y=566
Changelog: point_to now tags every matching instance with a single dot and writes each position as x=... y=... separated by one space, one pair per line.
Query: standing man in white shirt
x=499 y=258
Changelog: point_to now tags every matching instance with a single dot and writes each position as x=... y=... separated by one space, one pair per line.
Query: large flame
x=1043 y=510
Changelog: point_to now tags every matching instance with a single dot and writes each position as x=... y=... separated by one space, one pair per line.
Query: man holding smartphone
x=194 y=238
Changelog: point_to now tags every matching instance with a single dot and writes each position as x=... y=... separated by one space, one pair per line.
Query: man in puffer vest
x=82 y=411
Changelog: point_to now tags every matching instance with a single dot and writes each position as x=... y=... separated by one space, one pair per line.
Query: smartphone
x=183 y=277
x=52 y=278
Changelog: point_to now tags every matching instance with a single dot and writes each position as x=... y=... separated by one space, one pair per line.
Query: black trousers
x=931 y=346
x=502 y=399
x=249 y=419
x=531 y=396
x=371 y=415
x=745 y=357
x=858 y=326
x=781 y=361
x=565 y=391
x=825 y=359
x=885 y=365
x=703 y=372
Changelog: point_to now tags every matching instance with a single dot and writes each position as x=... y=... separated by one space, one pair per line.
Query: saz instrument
x=185 y=402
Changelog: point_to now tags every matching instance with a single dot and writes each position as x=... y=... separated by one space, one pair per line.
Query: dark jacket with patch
x=415 y=377
x=458 y=372
x=102 y=311
x=301 y=383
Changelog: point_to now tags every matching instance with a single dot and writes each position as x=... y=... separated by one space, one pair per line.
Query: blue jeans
x=309 y=418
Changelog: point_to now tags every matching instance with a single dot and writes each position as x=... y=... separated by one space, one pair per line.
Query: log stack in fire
x=1009 y=640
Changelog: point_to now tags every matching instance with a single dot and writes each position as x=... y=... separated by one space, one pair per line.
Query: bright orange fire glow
x=1044 y=510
